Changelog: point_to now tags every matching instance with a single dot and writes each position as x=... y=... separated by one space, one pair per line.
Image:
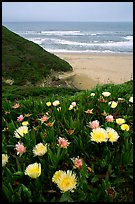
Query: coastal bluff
x=24 y=62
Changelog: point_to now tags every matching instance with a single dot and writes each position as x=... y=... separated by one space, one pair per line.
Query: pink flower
x=20 y=118
x=63 y=143
x=73 y=104
x=94 y=124
x=44 y=118
x=20 y=148
x=77 y=163
x=109 y=118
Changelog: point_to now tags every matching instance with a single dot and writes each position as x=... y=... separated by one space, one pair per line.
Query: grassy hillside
x=24 y=61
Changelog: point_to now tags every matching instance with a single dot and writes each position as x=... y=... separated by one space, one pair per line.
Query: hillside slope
x=24 y=61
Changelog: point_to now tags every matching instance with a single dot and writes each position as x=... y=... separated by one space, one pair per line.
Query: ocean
x=77 y=37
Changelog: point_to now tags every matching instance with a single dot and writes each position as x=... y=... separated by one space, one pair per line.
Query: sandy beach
x=92 y=69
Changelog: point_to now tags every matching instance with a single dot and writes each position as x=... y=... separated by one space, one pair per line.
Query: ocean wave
x=79 y=51
x=91 y=44
x=129 y=37
x=64 y=33
x=49 y=33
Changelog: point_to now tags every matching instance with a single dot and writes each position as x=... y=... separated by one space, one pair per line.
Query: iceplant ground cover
x=74 y=149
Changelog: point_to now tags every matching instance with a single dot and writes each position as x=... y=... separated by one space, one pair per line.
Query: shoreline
x=93 y=53
x=91 y=69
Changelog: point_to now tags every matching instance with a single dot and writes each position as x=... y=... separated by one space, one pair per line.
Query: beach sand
x=92 y=69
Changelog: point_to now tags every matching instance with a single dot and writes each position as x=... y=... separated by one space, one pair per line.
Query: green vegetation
x=22 y=92
x=106 y=173
x=26 y=62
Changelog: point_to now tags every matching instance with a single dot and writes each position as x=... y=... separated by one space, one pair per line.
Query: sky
x=67 y=11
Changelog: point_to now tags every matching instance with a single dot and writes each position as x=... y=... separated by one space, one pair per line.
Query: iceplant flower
x=120 y=121
x=106 y=94
x=66 y=181
x=21 y=131
x=112 y=135
x=114 y=104
x=20 y=148
x=28 y=115
x=89 y=111
x=20 y=118
x=48 y=103
x=73 y=104
x=92 y=94
x=99 y=135
x=109 y=118
x=104 y=113
x=121 y=99
x=77 y=162
x=59 y=109
x=44 y=118
x=17 y=105
x=125 y=127
x=25 y=123
x=56 y=176
x=131 y=99
x=40 y=149
x=70 y=107
x=4 y=159
x=94 y=124
x=63 y=143
x=56 y=103
x=33 y=170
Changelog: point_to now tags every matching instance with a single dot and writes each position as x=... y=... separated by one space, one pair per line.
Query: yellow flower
x=120 y=121
x=33 y=170
x=67 y=181
x=131 y=99
x=125 y=127
x=114 y=104
x=112 y=134
x=48 y=103
x=4 y=159
x=56 y=103
x=70 y=107
x=57 y=175
x=40 y=149
x=106 y=94
x=99 y=135
x=25 y=123
x=21 y=131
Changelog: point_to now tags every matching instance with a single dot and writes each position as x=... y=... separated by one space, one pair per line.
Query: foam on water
x=78 y=37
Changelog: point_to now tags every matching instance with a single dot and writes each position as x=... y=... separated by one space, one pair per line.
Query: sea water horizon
x=77 y=37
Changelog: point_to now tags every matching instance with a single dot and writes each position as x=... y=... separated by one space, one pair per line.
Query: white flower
x=56 y=103
x=99 y=135
x=92 y=94
x=4 y=159
x=21 y=131
x=114 y=104
x=112 y=135
x=106 y=94
x=39 y=149
x=131 y=99
x=33 y=170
